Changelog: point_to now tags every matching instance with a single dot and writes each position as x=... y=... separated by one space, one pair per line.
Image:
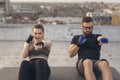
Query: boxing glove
x=104 y=40
x=82 y=39
x=30 y=38
x=40 y=44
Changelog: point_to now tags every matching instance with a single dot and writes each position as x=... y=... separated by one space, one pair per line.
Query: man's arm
x=102 y=40
x=72 y=50
x=76 y=43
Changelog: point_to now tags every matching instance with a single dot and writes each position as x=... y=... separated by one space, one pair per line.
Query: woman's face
x=38 y=34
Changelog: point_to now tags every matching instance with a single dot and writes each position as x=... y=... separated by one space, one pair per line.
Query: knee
x=25 y=65
x=87 y=62
x=24 y=62
x=103 y=64
x=39 y=62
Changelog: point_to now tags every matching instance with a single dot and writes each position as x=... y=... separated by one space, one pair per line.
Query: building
x=4 y=9
x=5 y=6
x=100 y=18
x=116 y=19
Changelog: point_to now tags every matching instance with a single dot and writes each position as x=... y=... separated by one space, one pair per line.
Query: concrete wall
x=55 y=32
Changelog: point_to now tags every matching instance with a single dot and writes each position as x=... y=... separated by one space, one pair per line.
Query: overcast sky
x=116 y=1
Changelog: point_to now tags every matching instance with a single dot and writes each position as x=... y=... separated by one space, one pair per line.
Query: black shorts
x=80 y=68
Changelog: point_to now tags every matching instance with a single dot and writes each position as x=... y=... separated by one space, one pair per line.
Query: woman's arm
x=48 y=44
x=25 y=50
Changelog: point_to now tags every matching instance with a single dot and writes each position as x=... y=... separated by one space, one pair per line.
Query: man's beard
x=87 y=34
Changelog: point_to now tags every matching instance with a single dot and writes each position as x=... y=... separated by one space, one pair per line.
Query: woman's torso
x=41 y=53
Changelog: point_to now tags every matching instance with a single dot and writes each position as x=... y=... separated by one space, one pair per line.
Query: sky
x=111 y=1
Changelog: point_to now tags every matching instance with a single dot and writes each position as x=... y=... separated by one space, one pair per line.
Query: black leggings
x=35 y=69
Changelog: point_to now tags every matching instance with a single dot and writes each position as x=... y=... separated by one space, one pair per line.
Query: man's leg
x=103 y=66
x=88 y=69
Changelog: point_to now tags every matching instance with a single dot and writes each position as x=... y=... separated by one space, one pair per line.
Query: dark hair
x=87 y=19
x=38 y=26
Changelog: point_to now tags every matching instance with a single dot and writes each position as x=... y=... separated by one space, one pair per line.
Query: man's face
x=87 y=27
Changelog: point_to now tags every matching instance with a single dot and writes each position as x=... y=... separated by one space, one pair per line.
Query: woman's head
x=38 y=31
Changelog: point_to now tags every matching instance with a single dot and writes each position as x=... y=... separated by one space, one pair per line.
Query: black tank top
x=43 y=51
x=90 y=49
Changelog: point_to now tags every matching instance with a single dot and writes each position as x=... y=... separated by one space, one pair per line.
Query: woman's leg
x=42 y=69
x=25 y=71
x=48 y=72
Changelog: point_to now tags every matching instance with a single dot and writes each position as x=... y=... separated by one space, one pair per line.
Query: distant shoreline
x=58 y=2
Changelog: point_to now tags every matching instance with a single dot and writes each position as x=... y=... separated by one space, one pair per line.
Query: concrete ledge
x=55 y=32
x=58 y=73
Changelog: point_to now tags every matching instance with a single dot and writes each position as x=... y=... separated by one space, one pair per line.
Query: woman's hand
x=38 y=47
x=29 y=39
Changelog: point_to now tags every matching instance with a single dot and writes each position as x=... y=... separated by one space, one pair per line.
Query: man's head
x=87 y=25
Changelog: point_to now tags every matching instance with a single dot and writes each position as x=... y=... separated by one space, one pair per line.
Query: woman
x=37 y=50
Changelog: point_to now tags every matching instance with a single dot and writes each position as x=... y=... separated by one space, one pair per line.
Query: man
x=87 y=46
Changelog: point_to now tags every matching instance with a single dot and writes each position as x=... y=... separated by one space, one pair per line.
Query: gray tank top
x=43 y=51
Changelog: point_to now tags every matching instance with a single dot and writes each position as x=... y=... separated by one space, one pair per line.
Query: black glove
x=40 y=43
x=82 y=40
x=30 y=38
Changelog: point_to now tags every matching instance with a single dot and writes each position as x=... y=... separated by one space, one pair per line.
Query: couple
x=86 y=45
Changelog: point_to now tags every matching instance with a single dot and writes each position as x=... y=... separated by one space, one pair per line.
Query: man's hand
x=104 y=40
x=82 y=40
